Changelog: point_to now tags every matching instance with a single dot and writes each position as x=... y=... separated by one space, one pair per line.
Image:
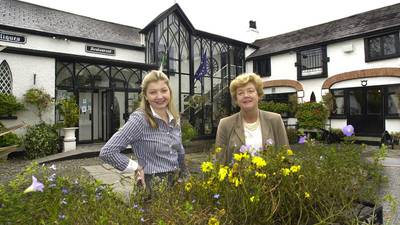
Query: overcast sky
x=229 y=18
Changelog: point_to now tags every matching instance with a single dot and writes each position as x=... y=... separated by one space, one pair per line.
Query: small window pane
x=356 y=103
x=389 y=46
x=374 y=47
x=394 y=100
x=374 y=102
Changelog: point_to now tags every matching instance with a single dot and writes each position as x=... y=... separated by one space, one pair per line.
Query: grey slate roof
x=363 y=23
x=41 y=19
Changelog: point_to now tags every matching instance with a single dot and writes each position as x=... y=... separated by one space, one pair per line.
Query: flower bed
x=309 y=185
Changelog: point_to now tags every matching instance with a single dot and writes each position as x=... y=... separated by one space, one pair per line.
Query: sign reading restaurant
x=100 y=50
x=13 y=38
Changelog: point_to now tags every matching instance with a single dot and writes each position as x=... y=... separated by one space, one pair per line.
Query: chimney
x=252 y=32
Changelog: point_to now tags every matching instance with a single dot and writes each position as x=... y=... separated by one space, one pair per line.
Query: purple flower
x=269 y=141
x=348 y=130
x=52 y=185
x=35 y=186
x=244 y=148
x=64 y=191
x=63 y=202
x=61 y=216
x=302 y=139
x=135 y=206
x=52 y=177
x=216 y=196
x=142 y=220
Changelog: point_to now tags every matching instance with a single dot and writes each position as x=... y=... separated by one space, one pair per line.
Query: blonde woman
x=154 y=133
x=251 y=127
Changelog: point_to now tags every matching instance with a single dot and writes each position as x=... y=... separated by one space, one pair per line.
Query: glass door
x=85 y=117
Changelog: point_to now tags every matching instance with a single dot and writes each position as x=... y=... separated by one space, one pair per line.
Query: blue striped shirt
x=158 y=150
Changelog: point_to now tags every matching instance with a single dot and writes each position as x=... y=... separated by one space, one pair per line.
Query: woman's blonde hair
x=153 y=76
x=244 y=79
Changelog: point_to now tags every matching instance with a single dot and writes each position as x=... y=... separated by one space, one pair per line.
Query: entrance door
x=85 y=117
x=366 y=111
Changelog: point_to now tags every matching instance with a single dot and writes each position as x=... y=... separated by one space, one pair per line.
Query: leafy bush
x=8 y=139
x=314 y=185
x=276 y=107
x=69 y=109
x=9 y=105
x=311 y=115
x=292 y=135
x=41 y=140
x=39 y=99
x=64 y=200
x=188 y=132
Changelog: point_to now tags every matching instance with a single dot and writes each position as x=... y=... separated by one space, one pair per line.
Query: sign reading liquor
x=13 y=38
x=100 y=50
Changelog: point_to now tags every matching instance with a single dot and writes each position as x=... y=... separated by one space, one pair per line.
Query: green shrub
x=69 y=109
x=9 y=105
x=276 y=107
x=315 y=184
x=64 y=200
x=39 y=99
x=311 y=115
x=41 y=140
x=8 y=139
x=188 y=132
x=292 y=135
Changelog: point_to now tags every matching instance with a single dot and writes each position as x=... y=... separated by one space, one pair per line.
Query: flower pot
x=69 y=138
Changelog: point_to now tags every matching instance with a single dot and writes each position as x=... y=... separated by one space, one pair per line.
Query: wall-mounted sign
x=13 y=38
x=100 y=50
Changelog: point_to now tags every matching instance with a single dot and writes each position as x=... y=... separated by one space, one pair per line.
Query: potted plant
x=10 y=106
x=69 y=110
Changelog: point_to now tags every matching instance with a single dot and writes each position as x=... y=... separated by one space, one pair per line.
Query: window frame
x=368 y=58
x=256 y=65
x=324 y=66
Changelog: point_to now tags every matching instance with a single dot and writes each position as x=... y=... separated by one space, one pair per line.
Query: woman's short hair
x=244 y=79
x=153 y=76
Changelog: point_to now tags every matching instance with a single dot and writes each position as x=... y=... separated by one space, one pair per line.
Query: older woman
x=251 y=126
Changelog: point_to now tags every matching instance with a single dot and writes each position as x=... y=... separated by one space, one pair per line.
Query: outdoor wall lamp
x=364 y=83
x=34 y=78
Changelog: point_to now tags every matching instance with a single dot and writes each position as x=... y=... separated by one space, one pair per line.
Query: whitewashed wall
x=42 y=43
x=23 y=69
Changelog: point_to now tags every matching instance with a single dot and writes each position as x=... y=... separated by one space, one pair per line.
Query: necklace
x=252 y=126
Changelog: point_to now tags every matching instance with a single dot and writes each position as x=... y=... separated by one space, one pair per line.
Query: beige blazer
x=230 y=134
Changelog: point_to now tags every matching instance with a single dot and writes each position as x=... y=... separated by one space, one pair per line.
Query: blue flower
x=348 y=130
x=216 y=196
x=53 y=167
x=64 y=191
x=35 y=186
x=302 y=139
x=61 y=216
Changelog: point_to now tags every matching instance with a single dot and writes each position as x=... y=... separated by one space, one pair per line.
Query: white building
x=355 y=58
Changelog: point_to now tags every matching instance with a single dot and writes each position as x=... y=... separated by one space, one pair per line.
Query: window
x=5 y=78
x=393 y=101
x=382 y=47
x=312 y=63
x=338 y=102
x=262 y=66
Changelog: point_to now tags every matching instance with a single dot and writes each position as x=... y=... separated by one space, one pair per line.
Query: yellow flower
x=295 y=169
x=223 y=171
x=252 y=198
x=218 y=150
x=285 y=171
x=283 y=158
x=261 y=175
x=307 y=195
x=259 y=162
x=289 y=152
x=207 y=167
x=213 y=221
x=240 y=156
x=236 y=181
x=188 y=187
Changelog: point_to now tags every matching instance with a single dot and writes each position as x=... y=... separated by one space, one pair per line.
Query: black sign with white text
x=100 y=50
x=12 y=38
